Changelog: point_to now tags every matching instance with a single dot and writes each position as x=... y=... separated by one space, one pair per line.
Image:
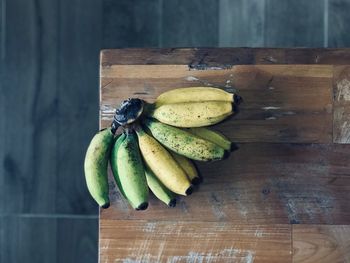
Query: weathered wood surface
x=158 y=241
x=277 y=99
x=261 y=183
x=291 y=168
x=341 y=127
x=321 y=243
x=201 y=58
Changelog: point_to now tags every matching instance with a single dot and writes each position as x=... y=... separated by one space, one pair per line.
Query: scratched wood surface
x=291 y=169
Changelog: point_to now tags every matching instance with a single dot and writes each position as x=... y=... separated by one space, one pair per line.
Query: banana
x=185 y=143
x=212 y=136
x=163 y=165
x=113 y=162
x=194 y=94
x=159 y=190
x=191 y=114
x=188 y=166
x=127 y=162
x=95 y=166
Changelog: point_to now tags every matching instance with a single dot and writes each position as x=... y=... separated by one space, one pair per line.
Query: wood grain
x=78 y=101
x=127 y=24
x=341 y=124
x=55 y=240
x=321 y=243
x=238 y=27
x=29 y=123
x=224 y=57
x=338 y=23
x=157 y=241
x=181 y=28
x=276 y=104
x=261 y=184
x=289 y=23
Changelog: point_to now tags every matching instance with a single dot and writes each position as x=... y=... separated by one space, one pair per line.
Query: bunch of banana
x=193 y=107
x=157 y=145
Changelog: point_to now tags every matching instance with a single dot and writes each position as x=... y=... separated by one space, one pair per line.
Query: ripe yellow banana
x=127 y=162
x=159 y=189
x=185 y=143
x=163 y=165
x=212 y=136
x=188 y=166
x=191 y=114
x=194 y=94
x=95 y=166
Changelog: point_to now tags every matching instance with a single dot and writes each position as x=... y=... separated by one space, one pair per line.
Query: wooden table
x=282 y=197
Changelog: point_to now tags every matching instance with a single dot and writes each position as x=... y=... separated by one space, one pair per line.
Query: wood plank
x=40 y=239
x=157 y=241
x=127 y=24
x=341 y=119
x=321 y=243
x=260 y=184
x=277 y=98
x=338 y=23
x=29 y=126
x=295 y=23
x=203 y=58
x=189 y=23
x=80 y=31
x=238 y=27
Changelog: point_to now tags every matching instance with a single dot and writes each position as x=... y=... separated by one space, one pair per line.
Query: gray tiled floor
x=49 y=95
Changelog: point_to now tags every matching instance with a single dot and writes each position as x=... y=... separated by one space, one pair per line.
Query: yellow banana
x=188 y=166
x=127 y=162
x=194 y=94
x=191 y=114
x=185 y=143
x=212 y=136
x=159 y=189
x=95 y=166
x=163 y=164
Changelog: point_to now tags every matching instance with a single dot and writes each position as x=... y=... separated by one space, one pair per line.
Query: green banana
x=128 y=168
x=212 y=136
x=159 y=189
x=95 y=166
x=113 y=162
x=185 y=143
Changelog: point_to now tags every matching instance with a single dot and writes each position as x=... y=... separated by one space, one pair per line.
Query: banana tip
x=234 y=147
x=237 y=99
x=189 y=190
x=226 y=155
x=142 y=206
x=172 y=203
x=196 y=181
x=106 y=205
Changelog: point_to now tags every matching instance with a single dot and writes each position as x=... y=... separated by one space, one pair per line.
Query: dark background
x=49 y=95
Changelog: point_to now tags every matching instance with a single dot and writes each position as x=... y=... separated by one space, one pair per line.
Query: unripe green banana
x=159 y=189
x=212 y=136
x=95 y=166
x=190 y=114
x=188 y=166
x=113 y=161
x=194 y=94
x=126 y=161
x=163 y=165
x=185 y=143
